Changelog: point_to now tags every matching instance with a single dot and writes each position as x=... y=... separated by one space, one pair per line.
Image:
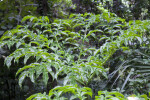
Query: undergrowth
x=73 y=52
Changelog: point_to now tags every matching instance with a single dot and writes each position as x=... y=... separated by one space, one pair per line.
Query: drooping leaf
x=8 y=61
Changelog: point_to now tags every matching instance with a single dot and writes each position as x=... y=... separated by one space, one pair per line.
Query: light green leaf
x=90 y=32
x=22 y=77
x=8 y=61
x=24 y=68
x=45 y=77
x=96 y=52
x=31 y=75
x=27 y=56
x=18 y=44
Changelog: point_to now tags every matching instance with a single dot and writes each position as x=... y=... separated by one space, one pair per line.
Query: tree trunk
x=45 y=7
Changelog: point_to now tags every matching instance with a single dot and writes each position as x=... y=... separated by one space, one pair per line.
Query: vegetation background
x=74 y=49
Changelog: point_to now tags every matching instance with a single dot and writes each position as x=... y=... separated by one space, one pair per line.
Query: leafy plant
x=133 y=65
x=60 y=93
x=104 y=95
x=71 y=51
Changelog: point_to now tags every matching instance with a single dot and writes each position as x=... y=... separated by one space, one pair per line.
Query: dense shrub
x=74 y=52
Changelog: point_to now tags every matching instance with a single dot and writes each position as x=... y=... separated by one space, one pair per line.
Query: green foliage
x=104 y=95
x=134 y=68
x=12 y=11
x=60 y=8
x=71 y=51
x=59 y=93
x=74 y=92
x=78 y=55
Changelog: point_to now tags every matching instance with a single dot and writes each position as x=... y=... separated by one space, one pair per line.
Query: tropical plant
x=70 y=51
x=135 y=65
x=67 y=92
x=104 y=95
